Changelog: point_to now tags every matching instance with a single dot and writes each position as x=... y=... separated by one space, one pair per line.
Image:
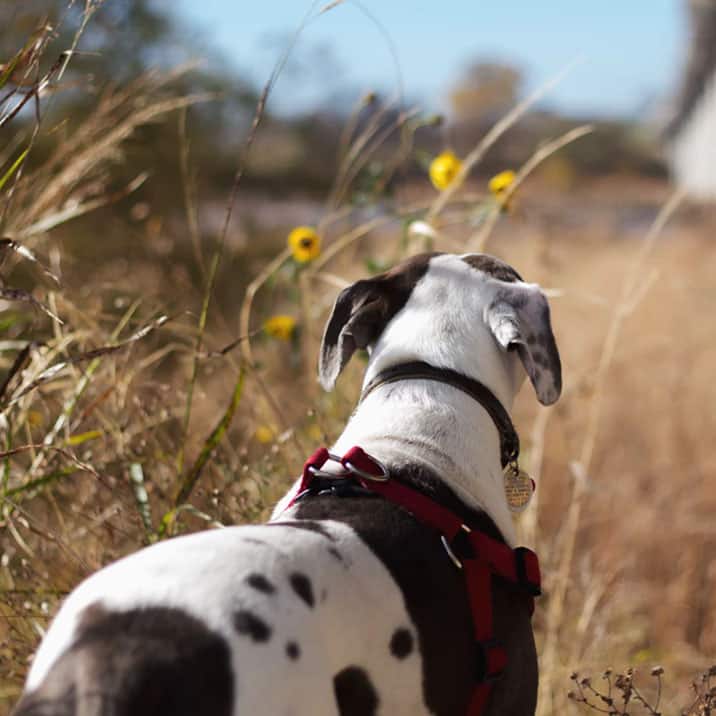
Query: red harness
x=478 y=555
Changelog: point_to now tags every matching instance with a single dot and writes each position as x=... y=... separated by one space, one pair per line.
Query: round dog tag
x=519 y=488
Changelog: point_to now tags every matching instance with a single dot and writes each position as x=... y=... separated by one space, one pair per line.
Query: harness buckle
x=344 y=482
x=349 y=468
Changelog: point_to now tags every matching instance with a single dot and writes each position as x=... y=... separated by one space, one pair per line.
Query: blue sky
x=631 y=51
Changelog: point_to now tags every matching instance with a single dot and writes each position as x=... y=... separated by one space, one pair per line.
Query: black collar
x=419 y=370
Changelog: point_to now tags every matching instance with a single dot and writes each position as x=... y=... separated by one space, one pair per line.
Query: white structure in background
x=692 y=132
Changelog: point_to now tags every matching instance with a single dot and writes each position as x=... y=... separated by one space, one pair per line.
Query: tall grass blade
x=169 y=519
x=16 y=367
x=50 y=221
x=216 y=258
x=40 y=482
x=11 y=245
x=136 y=475
x=71 y=402
x=17 y=294
x=53 y=370
x=194 y=473
x=13 y=168
x=81 y=438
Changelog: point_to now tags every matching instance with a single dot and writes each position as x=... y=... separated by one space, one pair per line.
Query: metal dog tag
x=519 y=488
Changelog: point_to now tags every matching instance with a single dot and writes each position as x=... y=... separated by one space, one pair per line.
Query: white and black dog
x=339 y=605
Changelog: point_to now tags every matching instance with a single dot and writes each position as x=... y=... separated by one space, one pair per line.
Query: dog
x=344 y=603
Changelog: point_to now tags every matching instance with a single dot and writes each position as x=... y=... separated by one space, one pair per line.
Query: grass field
x=640 y=582
x=160 y=404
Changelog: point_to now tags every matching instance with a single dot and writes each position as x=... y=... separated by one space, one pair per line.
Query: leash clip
x=319 y=472
x=383 y=477
x=350 y=468
x=355 y=457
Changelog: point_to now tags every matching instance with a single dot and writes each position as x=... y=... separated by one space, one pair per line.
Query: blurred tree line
x=149 y=237
x=126 y=38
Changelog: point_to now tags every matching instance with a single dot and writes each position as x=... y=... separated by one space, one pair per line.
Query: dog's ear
x=519 y=319
x=363 y=310
x=359 y=316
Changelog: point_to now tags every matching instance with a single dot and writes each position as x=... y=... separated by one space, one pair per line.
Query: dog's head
x=472 y=313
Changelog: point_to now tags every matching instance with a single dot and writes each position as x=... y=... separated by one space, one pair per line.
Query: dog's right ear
x=359 y=316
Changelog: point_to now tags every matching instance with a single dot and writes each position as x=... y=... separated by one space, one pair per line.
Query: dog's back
x=352 y=609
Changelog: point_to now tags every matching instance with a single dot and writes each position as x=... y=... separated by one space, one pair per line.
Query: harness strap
x=490 y=656
x=477 y=554
x=519 y=566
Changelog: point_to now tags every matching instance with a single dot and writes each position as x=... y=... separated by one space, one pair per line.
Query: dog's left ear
x=359 y=316
x=519 y=319
x=363 y=310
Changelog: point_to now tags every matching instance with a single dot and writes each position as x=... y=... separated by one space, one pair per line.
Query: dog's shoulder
x=435 y=596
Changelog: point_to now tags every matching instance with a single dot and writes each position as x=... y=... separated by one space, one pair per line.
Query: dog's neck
x=439 y=427
x=469 y=314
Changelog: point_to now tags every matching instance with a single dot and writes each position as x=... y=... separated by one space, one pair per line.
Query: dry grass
x=640 y=587
x=145 y=426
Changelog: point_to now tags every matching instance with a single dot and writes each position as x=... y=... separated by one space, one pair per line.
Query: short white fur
x=204 y=574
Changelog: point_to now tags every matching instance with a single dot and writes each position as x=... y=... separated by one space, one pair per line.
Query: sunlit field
x=159 y=367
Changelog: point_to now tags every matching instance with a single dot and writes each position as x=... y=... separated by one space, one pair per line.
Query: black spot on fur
x=335 y=553
x=490 y=265
x=355 y=694
x=141 y=662
x=302 y=586
x=293 y=650
x=401 y=644
x=250 y=625
x=259 y=582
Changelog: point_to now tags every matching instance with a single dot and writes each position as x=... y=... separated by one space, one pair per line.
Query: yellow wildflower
x=264 y=434
x=444 y=169
x=305 y=244
x=35 y=418
x=500 y=183
x=281 y=327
